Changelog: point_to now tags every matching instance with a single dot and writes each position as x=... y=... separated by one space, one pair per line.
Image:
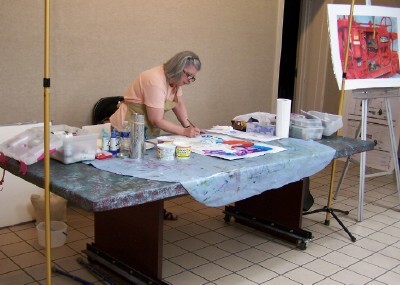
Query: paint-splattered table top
x=96 y=190
x=346 y=146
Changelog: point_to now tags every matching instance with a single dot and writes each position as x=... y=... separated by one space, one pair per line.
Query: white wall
x=98 y=46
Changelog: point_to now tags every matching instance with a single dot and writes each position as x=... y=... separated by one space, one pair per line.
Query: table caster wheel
x=303 y=245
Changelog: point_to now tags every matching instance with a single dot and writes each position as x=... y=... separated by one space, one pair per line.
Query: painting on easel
x=373 y=54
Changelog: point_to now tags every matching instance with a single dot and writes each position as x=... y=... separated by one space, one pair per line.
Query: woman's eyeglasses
x=189 y=76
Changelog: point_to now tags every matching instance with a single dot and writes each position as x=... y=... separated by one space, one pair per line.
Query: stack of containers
x=303 y=128
x=331 y=123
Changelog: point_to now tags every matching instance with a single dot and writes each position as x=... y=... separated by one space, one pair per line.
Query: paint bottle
x=113 y=143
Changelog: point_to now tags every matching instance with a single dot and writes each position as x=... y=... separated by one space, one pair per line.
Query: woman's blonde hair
x=173 y=68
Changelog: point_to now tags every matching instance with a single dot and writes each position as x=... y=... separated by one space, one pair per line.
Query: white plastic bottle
x=113 y=143
x=125 y=140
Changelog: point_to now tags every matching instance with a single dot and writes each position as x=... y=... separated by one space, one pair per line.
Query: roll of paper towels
x=283 y=117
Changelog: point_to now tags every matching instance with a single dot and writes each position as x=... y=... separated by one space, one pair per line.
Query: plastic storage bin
x=77 y=144
x=302 y=121
x=58 y=233
x=28 y=146
x=331 y=123
x=305 y=133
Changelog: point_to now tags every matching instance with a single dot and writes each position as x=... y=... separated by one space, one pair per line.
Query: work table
x=130 y=209
x=97 y=190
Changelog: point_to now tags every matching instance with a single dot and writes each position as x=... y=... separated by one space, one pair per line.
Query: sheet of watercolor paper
x=226 y=147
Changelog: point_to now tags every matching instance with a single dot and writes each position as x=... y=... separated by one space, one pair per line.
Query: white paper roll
x=283 y=117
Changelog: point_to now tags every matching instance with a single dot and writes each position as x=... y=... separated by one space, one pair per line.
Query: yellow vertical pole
x=340 y=107
x=46 y=86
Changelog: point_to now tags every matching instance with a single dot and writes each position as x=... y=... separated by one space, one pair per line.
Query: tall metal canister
x=138 y=148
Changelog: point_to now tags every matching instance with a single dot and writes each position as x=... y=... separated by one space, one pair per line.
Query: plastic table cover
x=217 y=182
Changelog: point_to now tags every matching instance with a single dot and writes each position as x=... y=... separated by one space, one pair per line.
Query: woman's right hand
x=191 y=132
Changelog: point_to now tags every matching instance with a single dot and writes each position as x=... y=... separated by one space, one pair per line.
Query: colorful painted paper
x=227 y=147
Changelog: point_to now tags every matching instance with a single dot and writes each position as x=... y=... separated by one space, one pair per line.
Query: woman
x=158 y=90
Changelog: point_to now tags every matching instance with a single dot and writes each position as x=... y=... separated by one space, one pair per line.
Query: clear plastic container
x=58 y=233
x=331 y=123
x=77 y=144
x=305 y=133
x=304 y=122
x=28 y=146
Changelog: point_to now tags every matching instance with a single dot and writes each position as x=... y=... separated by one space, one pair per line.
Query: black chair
x=104 y=108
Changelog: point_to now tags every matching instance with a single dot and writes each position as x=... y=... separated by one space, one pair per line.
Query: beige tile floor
x=200 y=248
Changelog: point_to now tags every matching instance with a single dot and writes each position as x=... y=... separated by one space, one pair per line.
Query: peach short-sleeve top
x=150 y=88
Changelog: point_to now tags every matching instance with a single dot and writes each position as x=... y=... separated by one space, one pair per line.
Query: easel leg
x=393 y=143
x=360 y=213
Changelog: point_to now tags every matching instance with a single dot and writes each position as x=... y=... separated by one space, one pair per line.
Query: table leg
x=277 y=212
x=133 y=236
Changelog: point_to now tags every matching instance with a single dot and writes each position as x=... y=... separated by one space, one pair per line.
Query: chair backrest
x=104 y=108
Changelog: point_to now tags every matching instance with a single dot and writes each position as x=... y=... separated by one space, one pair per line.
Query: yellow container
x=183 y=150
